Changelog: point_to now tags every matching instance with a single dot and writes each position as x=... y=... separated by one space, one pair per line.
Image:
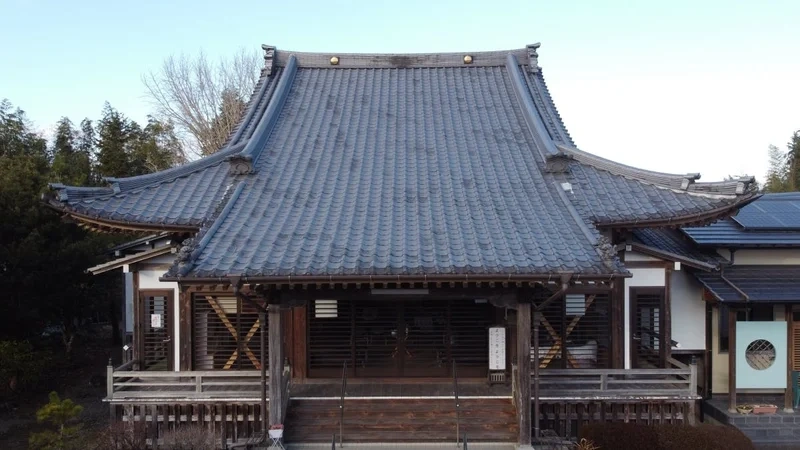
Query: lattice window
x=760 y=354
x=220 y=323
x=575 y=332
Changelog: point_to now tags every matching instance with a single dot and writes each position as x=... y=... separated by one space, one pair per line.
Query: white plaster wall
x=643 y=278
x=148 y=279
x=760 y=257
x=688 y=311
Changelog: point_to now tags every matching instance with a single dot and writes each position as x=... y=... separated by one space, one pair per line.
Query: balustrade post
x=198 y=383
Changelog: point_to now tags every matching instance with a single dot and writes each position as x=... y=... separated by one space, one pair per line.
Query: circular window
x=760 y=354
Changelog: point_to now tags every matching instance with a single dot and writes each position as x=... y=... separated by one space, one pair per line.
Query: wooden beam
x=666 y=319
x=649 y=264
x=185 y=328
x=731 y=359
x=788 y=399
x=524 y=370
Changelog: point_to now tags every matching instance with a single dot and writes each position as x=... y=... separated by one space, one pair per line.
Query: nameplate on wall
x=497 y=348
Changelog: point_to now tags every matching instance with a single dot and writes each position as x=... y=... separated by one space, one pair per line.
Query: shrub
x=20 y=366
x=63 y=416
x=121 y=436
x=629 y=436
x=189 y=438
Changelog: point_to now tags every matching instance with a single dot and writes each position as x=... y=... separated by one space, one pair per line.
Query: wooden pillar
x=275 y=364
x=731 y=359
x=788 y=398
x=138 y=324
x=524 y=370
x=299 y=341
x=618 y=325
x=708 y=366
x=185 y=328
x=666 y=319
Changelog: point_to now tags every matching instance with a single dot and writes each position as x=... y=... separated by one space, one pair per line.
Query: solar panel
x=772 y=213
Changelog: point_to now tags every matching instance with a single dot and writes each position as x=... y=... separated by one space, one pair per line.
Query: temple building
x=415 y=237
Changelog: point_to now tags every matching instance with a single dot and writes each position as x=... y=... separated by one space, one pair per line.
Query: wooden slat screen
x=795 y=345
x=469 y=335
x=412 y=338
x=377 y=339
x=329 y=343
x=575 y=332
x=219 y=322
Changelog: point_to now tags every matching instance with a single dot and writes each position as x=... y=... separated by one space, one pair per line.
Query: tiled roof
x=183 y=196
x=771 y=221
x=780 y=284
x=407 y=165
x=674 y=246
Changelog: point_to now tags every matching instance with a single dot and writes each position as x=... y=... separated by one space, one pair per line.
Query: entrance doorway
x=408 y=338
x=156 y=329
x=647 y=323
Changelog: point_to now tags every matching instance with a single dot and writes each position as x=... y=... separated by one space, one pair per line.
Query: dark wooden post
x=666 y=317
x=788 y=399
x=537 y=320
x=275 y=364
x=185 y=328
x=524 y=369
x=138 y=324
x=618 y=325
x=262 y=318
x=731 y=358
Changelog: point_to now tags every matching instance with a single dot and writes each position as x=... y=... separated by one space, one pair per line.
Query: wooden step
x=400 y=420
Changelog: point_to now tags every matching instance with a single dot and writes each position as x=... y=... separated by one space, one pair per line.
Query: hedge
x=630 y=436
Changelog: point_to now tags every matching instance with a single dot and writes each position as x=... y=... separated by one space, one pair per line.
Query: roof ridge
x=340 y=60
x=536 y=127
x=542 y=94
x=266 y=124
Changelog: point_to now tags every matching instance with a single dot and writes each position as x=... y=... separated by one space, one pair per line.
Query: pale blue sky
x=671 y=85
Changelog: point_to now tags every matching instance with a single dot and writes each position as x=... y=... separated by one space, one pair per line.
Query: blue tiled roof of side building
x=674 y=242
x=760 y=283
x=773 y=220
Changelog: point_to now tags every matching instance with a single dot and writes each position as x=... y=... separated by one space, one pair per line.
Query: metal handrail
x=341 y=404
x=458 y=406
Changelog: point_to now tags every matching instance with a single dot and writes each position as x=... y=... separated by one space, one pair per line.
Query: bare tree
x=204 y=99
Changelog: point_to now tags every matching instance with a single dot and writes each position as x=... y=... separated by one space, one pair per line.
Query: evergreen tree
x=777 y=172
x=85 y=145
x=114 y=135
x=783 y=174
x=155 y=148
x=42 y=261
x=70 y=165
